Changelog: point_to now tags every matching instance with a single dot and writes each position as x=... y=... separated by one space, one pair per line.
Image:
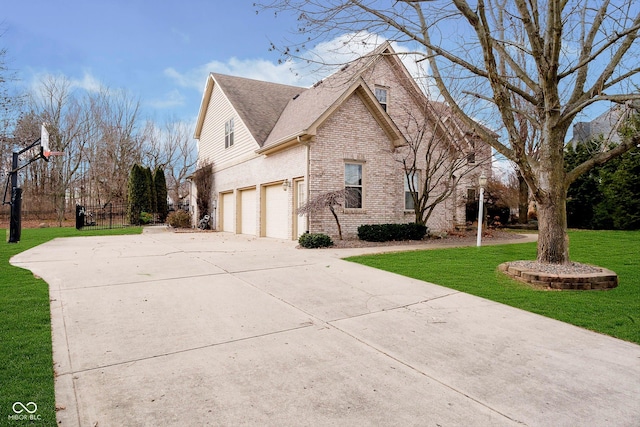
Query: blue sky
x=160 y=52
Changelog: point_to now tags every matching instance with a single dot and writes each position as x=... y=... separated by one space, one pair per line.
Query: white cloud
x=305 y=70
x=88 y=82
x=171 y=99
x=258 y=69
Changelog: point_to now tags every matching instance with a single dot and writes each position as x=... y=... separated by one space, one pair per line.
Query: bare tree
x=70 y=129
x=330 y=200
x=172 y=148
x=436 y=159
x=557 y=57
x=117 y=147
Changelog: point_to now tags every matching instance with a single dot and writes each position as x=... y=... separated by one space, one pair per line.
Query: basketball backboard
x=44 y=142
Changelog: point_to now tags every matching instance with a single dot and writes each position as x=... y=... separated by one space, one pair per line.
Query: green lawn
x=26 y=364
x=614 y=312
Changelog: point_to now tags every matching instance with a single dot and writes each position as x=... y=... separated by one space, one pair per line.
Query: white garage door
x=228 y=212
x=276 y=212
x=248 y=212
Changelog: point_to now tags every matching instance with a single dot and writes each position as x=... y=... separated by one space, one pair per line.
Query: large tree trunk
x=551 y=200
x=553 y=242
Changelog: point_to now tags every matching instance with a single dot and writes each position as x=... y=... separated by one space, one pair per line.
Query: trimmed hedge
x=388 y=232
x=315 y=240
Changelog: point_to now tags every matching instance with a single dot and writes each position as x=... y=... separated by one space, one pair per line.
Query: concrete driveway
x=165 y=329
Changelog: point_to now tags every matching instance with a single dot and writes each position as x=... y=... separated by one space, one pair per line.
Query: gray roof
x=304 y=110
x=258 y=103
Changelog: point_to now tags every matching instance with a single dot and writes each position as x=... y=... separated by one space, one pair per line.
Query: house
x=606 y=125
x=273 y=146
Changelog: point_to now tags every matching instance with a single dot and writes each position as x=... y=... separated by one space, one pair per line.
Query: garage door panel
x=248 y=212
x=276 y=212
x=228 y=212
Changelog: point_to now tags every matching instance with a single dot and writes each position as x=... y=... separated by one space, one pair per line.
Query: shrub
x=388 y=232
x=179 y=219
x=315 y=240
x=146 y=218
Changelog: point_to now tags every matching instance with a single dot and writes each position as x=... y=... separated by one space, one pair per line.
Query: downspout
x=307 y=159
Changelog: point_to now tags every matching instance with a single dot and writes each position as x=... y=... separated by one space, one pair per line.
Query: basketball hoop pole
x=15 y=222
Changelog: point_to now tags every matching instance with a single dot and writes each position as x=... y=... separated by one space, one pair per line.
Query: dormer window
x=382 y=94
x=228 y=133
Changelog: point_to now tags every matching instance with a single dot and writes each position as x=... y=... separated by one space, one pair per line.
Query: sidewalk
x=165 y=329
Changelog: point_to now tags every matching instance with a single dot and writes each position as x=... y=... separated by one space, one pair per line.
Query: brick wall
x=351 y=134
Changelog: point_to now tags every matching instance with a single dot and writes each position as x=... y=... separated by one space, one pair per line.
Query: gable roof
x=277 y=115
x=304 y=113
x=259 y=104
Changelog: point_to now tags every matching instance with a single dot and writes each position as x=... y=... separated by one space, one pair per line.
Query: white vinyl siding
x=212 y=137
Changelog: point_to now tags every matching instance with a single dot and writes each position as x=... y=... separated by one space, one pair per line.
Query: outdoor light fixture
x=482 y=181
x=286 y=184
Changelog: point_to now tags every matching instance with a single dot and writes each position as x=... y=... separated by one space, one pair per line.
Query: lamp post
x=482 y=181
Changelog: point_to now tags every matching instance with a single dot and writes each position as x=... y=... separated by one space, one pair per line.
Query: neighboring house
x=606 y=125
x=275 y=146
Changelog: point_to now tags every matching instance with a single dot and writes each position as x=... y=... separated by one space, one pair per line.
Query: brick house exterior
x=290 y=144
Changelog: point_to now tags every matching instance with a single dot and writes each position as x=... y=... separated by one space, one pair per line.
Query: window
x=353 y=185
x=382 y=94
x=471 y=156
x=228 y=133
x=410 y=190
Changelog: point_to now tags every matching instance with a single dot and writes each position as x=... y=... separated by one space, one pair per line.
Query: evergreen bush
x=315 y=240
x=160 y=184
x=390 y=232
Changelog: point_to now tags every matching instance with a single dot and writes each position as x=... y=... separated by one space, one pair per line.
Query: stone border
x=602 y=280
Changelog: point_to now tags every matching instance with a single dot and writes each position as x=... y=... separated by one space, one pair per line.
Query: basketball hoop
x=47 y=154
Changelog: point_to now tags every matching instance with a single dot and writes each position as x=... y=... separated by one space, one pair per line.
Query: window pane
x=408 y=191
x=408 y=200
x=352 y=174
x=353 y=198
x=381 y=94
x=414 y=181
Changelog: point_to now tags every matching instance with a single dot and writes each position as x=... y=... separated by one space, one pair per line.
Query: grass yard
x=26 y=363
x=472 y=270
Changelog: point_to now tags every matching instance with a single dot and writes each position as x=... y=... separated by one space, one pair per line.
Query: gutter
x=282 y=143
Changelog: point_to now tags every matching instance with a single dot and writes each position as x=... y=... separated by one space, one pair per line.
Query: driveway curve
x=213 y=329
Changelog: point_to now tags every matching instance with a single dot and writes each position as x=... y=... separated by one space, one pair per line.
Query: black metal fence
x=109 y=215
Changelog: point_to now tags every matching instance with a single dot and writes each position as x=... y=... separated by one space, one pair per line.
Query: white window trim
x=385 y=105
x=229 y=133
x=361 y=186
x=405 y=187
